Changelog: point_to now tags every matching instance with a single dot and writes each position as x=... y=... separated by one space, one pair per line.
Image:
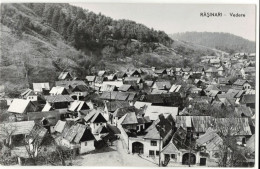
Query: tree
x=229 y=153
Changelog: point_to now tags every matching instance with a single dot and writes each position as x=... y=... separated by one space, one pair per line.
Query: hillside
x=39 y=41
x=221 y=41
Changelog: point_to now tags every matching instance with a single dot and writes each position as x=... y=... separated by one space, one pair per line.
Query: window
x=86 y=143
x=157 y=153
x=153 y=143
x=173 y=156
x=151 y=153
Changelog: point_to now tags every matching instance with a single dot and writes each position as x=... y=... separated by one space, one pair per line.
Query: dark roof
x=248 y=98
x=240 y=82
x=58 y=98
x=52 y=117
x=113 y=105
x=179 y=139
x=125 y=87
x=152 y=98
x=95 y=116
x=115 y=95
x=37 y=134
x=130 y=118
x=76 y=132
x=120 y=112
x=160 y=71
x=225 y=88
x=80 y=88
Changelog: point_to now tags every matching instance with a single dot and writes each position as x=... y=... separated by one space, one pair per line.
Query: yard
x=115 y=155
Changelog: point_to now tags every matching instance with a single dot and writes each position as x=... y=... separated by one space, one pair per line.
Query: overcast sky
x=173 y=18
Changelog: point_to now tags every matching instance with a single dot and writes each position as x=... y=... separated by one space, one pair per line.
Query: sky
x=174 y=18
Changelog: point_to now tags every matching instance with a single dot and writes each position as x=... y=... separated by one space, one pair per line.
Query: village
x=175 y=116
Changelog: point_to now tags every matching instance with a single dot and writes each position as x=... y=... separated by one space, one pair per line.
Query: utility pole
x=159 y=144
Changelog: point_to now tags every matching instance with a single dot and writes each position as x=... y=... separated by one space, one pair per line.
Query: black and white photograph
x=129 y=84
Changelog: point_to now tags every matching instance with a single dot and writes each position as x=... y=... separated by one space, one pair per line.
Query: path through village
x=115 y=155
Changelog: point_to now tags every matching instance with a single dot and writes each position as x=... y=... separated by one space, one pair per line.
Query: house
x=180 y=149
x=8 y=131
x=91 y=80
x=79 y=92
x=120 y=112
x=65 y=76
x=59 y=101
x=95 y=119
x=241 y=84
x=200 y=124
x=175 y=88
x=248 y=100
x=154 y=111
x=121 y=75
x=248 y=71
x=77 y=106
x=211 y=71
x=112 y=106
x=210 y=143
x=221 y=71
x=157 y=136
x=21 y=106
x=160 y=72
x=117 y=84
x=149 y=83
x=141 y=105
x=102 y=73
x=112 y=77
x=29 y=94
x=46 y=119
x=178 y=71
x=186 y=71
x=58 y=90
x=134 y=81
x=126 y=88
x=165 y=85
x=119 y=96
x=215 y=62
x=222 y=81
x=77 y=136
x=107 y=88
x=134 y=73
x=170 y=71
x=41 y=87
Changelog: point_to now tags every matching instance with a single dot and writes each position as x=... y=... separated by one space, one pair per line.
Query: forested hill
x=222 y=41
x=83 y=29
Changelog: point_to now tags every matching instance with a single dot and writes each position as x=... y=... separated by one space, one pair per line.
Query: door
x=202 y=161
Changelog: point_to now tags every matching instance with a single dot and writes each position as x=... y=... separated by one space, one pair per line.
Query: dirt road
x=114 y=155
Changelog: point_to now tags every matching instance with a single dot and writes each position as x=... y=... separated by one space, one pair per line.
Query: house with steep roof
x=95 y=119
x=91 y=80
x=76 y=136
x=164 y=85
x=178 y=149
x=241 y=84
x=65 y=76
x=21 y=106
x=248 y=100
x=211 y=71
x=77 y=106
x=58 y=90
x=41 y=87
x=79 y=92
x=215 y=62
x=153 y=112
x=102 y=73
x=137 y=82
x=120 y=112
x=8 y=131
x=112 y=106
x=160 y=72
x=155 y=138
x=210 y=143
x=59 y=101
